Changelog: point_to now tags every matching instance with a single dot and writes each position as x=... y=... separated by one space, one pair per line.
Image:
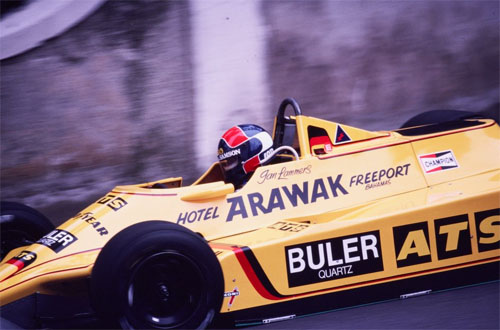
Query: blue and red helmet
x=242 y=149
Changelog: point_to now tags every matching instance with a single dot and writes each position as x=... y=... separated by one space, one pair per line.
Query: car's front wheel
x=20 y=225
x=157 y=274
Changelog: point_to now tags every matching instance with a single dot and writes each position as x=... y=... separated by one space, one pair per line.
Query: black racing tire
x=157 y=275
x=437 y=116
x=20 y=225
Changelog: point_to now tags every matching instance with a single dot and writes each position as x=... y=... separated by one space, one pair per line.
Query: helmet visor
x=229 y=163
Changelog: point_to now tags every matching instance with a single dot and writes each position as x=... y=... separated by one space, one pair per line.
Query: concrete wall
x=115 y=99
x=108 y=102
x=375 y=63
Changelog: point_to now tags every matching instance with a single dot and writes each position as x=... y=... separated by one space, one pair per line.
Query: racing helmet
x=242 y=149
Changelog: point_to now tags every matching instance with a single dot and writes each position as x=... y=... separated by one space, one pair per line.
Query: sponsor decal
x=412 y=244
x=452 y=236
x=23 y=259
x=439 y=161
x=202 y=214
x=292 y=227
x=334 y=258
x=89 y=218
x=308 y=192
x=57 y=240
x=488 y=229
x=266 y=154
x=379 y=178
x=232 y=295
x=228 y=154
x=341 y=136
x=113 y=202
x=283 y=174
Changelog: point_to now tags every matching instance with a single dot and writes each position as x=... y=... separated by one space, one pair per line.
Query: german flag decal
x=23 y=259
x=341 y=136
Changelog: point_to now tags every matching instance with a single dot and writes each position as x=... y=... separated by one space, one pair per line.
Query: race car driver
x=242 y=149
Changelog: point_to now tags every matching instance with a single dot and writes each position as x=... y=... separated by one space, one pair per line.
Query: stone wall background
x=111 y=101
x=374 y=64
x=106 y=103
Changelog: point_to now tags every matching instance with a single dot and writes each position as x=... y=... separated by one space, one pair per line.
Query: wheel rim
x=164 y=291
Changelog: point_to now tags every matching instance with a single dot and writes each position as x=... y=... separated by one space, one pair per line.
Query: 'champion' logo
x=439 y=161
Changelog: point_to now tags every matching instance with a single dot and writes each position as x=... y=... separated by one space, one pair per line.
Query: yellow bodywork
x=372 y=209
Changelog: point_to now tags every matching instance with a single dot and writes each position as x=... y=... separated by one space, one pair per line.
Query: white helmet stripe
x=265 y=138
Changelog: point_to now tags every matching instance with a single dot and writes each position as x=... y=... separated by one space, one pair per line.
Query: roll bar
x=289 y=101
x=286 y=128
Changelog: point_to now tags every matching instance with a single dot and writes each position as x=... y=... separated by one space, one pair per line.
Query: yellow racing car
x=338 y=216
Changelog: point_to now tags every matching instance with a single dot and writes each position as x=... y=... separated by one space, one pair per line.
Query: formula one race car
x=339 y=217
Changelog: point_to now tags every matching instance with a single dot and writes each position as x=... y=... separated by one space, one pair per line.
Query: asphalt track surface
x=474 y=307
